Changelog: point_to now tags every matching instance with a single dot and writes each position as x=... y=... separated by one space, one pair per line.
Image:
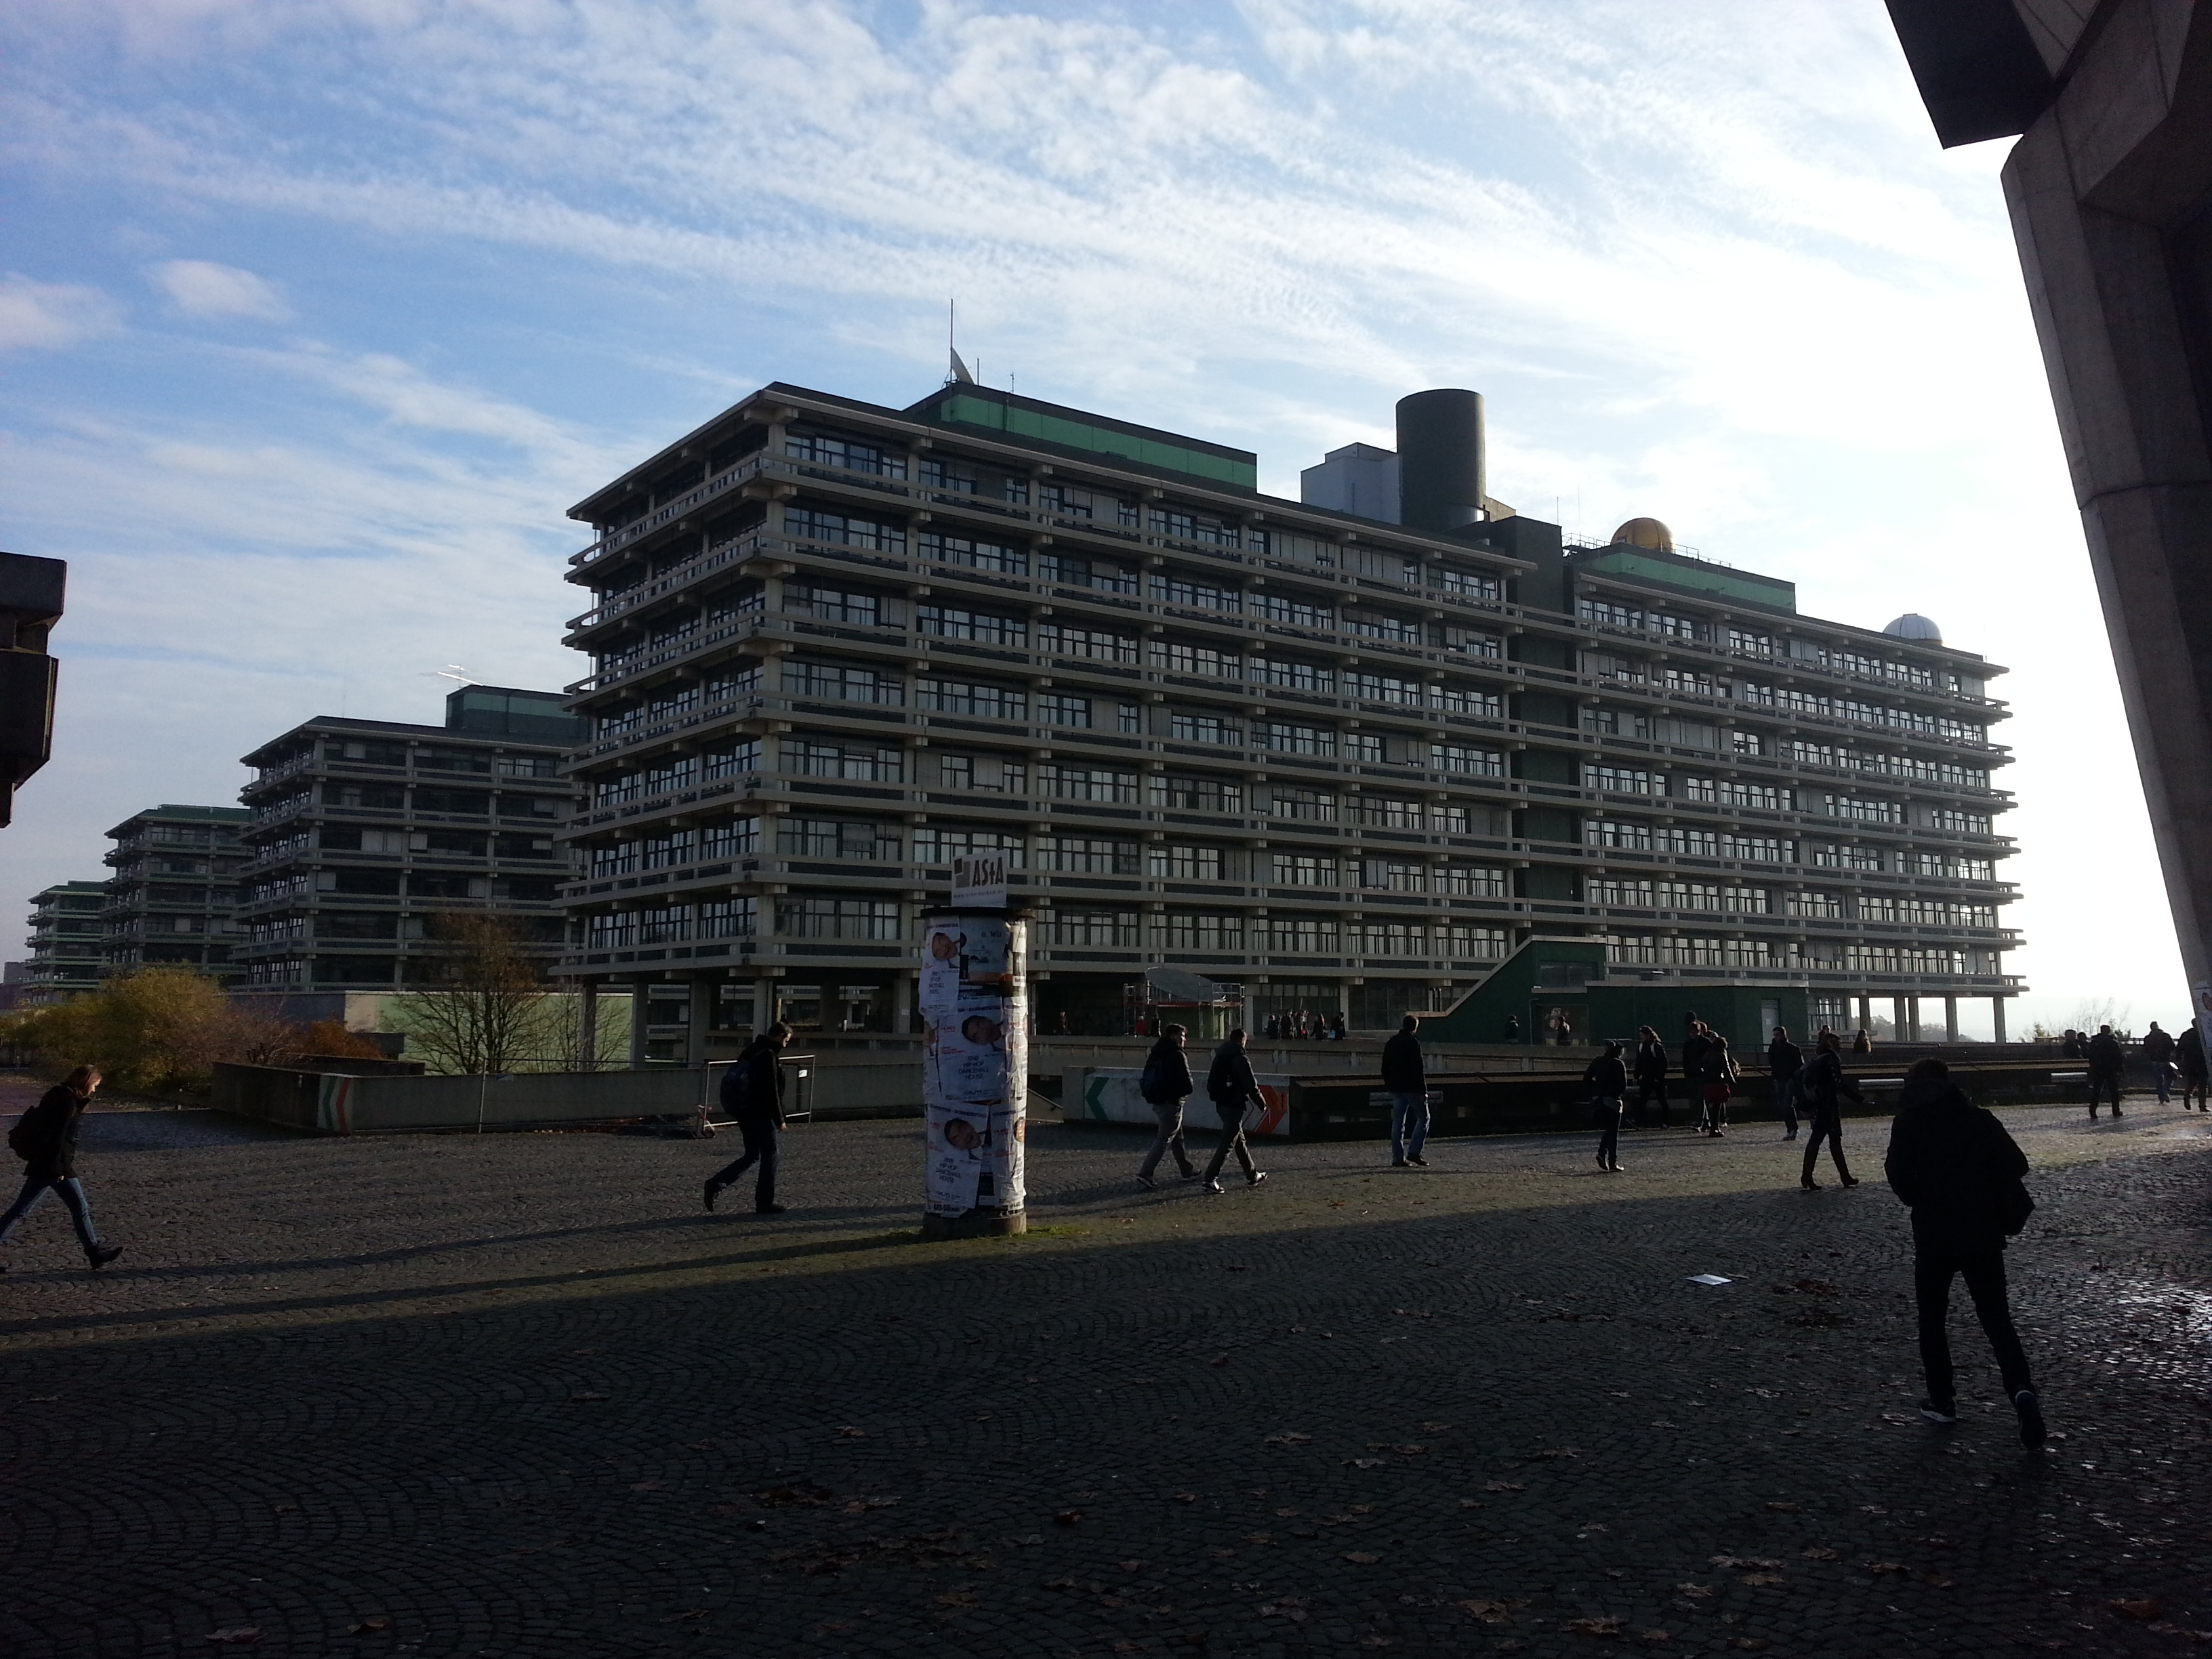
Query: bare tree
x=563 y=1033
x=485 y=1006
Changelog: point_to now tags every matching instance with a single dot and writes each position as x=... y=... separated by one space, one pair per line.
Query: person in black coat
x=2105 y=1059
x=2189 y=1061
x=1824 y=1087
x=1406 y=1081
x=45 y=1138
x=1785 y=1064
x=1961 y=1171
x=1651 y=1075
x=2158 y=1049
x=1231 y=1087
x=1609 y=1080
x=1165 y=1083
x=752 y=1093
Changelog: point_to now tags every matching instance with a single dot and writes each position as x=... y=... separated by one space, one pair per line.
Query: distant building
x=31 y=591
x=363 y=831
x=175 y=885
x=1345 y=754
x=65 y=941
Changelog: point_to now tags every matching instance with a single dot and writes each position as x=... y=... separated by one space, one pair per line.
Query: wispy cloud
x=49 y=316
x=200 y=288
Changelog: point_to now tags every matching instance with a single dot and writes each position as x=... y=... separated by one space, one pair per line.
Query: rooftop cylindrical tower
x=1441 y=471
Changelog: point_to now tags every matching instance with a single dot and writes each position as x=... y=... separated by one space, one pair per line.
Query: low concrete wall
x=328 y=1103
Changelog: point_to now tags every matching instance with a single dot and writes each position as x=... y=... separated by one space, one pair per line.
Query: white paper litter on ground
x=1710 y=1279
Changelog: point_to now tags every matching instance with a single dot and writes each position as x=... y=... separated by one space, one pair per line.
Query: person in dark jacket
x=1231 y=1087
x=1714 y=1078
x=2105 y=1059
x=1862 y=1043
x=1651 y=1075
x=1609 y=1080
x=45 y=1138
x=2189 y=1061
x=1785 y=1064
x=1693 y=1055
x=1961 y=1172
x=2158 y=1049
x=1512 y=1027
x=1406 y=1081
x=2070 y=1044
x=752 y=1093
x=1824 y=1087
x=1165 y=1084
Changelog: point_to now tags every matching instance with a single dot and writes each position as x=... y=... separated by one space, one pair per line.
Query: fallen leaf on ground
x=1362 y=1463
x=1503 y=1485
x=862 y=1505
x=1694 y=1590
x=849 y=1432
x=370 y=1626
x=1287 y=1438
x=1218 y=1359
x=1818 y=1553
x=1761 y=1578
x=237 y=1635
x=1880 y=1567
x=1491 y=1613
x=1361 y=1558
x=1608 y=1625
x=1184 y=1497
x=1786 y=1509
x=1402 y=1449
x=2143 y=1609
x=1067 y=1517
x=1653 y=1638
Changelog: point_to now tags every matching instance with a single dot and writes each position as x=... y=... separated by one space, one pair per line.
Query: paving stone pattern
x=516 y=1395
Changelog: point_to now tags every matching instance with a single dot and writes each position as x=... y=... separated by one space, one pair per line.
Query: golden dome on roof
x=1646 y=532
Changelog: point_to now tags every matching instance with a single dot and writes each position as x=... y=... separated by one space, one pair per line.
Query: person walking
x=1231 y=1087
x=45 y=1138
x=1715 y=1081
x=752 y=1093
x=2103 y=1053
x=1693 y=1061
x=1608 y=1079
x=1165 y=1083
x=1406 y=1081
x=1960 y=1171
x=2189 y=1061
x=1513 y=1028
x=1786 y=1062
x=1651 y=1075
x=2158 y=1049
x=1825 y=1087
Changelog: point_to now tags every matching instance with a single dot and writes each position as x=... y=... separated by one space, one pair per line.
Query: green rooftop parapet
x=1690 y=575
x=991 y=411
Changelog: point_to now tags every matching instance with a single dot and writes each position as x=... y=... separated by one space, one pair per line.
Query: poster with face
x=975 y=1063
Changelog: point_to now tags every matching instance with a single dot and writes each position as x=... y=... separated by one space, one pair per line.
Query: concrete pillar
x=639 y=1011
x=1996 y=1017
x=764 y=1004
x=1866 y=1013
x=1899 y=1029
x=1950 y=1019
x=701 y=1016
x=587 y=1032
x=901 y=994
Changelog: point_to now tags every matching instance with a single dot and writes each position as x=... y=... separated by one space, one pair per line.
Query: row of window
x=427 y=758
x=1750 y=642
x=1638 y=836
x=1655 y=950
x=1739 y=791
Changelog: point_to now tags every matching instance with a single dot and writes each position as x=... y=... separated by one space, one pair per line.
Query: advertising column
x=976 y=1057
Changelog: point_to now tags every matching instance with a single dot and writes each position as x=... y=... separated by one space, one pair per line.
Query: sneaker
x=1418 y=1163
x=1397 y=1163
x=2031 y=1431
x=100 y=1254
x=1940 y=1411
x=714 y=1191
x=1720 y=1134
x=1256 y=1177
x=1213 y=1187
x=1148 y=1183
x=770 y=1209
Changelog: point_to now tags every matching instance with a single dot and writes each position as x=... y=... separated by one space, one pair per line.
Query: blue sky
x=316 y=314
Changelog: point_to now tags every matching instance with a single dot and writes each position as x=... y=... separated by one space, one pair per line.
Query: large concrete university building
x=1347 y=753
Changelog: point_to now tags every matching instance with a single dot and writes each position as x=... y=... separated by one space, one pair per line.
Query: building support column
x=764 y=1004
x=1897 y=1027
x=901 y=1009
x=699 y=1015
x=587 y=1026
x=1866 y=1014
x=1950 y=1019
x=640 y=1008
x=1996 y=1017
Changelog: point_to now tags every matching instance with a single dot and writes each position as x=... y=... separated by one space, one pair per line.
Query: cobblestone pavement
x=517 y=1395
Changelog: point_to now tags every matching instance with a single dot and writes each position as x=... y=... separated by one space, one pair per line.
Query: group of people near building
x=1303 y=1023
x=2170 y=1059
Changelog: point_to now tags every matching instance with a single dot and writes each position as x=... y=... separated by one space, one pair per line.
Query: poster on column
x=975 y=1063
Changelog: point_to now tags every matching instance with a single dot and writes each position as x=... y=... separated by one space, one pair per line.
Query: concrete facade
x=65 y=941
x=364 y=831
x=2110 y=189
x=171 y=901
x=31 y=592
x=1346 y=764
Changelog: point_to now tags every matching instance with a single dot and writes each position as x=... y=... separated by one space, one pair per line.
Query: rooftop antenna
x=959 y=375
x=451 y=671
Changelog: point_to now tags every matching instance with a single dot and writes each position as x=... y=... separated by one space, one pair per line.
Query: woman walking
x=1609 y=1080
x=1651 y=1075
x=45 y=1138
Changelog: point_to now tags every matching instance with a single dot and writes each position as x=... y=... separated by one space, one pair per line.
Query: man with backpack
x=1961 y=1172
x=2158 y=1049
x=1165 y=1083
x=752 y=1093
x=1231 y=1087
x=45 y=1138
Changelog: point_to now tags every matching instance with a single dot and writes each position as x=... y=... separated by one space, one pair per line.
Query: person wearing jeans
x=1406 y=1081
x=1231 y=1087
x=2157 y=1047
x=1165 y=1083
x=752 y=1093
x=1609 y=1080
x=45 y=1138
x=1961 y=1172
